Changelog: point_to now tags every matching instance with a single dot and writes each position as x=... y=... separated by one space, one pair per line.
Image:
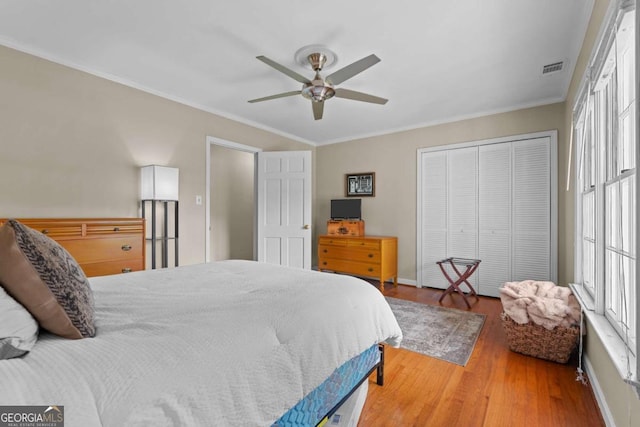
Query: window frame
x=597 y=172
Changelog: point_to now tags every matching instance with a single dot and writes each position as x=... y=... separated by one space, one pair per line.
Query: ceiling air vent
x=552 y=68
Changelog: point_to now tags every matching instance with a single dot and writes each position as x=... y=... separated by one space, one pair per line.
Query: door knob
x=306 y=226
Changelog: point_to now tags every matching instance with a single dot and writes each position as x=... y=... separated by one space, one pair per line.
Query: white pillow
x=18 y=329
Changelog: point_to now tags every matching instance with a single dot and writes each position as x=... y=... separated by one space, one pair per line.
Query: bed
x=236 y=343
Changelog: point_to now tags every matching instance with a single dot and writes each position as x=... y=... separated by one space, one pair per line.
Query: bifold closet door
x=492 y=201
x=462 y=206
x=494 y=217
x=532 y=210
x=449 y=210
x=433 y=217
x=514 y=213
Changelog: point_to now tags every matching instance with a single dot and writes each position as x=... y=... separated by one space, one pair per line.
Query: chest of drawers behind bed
x=367 y=256
x=102 y=246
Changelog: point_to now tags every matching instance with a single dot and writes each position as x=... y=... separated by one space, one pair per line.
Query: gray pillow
x=42 y=276
x=18 y=329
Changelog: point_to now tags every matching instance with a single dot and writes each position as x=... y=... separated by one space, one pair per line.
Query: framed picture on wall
x=360 y=184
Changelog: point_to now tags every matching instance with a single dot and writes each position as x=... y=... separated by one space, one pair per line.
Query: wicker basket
x=537 y=341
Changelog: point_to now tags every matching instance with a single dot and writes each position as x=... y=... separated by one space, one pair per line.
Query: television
x=346 y=209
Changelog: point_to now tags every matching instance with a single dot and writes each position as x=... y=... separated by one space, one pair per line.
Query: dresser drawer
x=353 y=267
x=362 y=243
x=117 y=248
x=93 y=269
x=115 y=228
x=54 y=229
x=332 y=241
x=326 y=251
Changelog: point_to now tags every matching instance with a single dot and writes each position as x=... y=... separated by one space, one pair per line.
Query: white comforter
x=228 y=343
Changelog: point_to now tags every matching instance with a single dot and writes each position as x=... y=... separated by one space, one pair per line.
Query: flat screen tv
x=346 y=209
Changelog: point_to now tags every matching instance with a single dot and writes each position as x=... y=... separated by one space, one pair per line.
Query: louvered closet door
x=491 y=201
x=494 y=217
x=433 y=217
x=532 y=210
x=462 y=177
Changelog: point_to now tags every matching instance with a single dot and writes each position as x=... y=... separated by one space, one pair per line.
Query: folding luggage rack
x=471 y=266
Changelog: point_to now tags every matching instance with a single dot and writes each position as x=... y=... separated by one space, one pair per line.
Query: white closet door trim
x=553 y=134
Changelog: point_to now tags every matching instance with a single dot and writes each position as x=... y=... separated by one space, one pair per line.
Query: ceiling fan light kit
x=319 y=90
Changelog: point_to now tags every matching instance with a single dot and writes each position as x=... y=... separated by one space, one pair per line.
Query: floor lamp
x=159 y=185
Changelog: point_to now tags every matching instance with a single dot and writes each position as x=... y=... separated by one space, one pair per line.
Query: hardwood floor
x=498 y=387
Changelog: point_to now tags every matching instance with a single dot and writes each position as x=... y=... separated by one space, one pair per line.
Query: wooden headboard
x=101 y=246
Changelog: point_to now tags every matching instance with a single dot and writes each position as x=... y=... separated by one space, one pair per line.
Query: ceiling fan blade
x=280 y=95
x=283 y=69
x=351 y=70
x=318 y=108
x=359 y=96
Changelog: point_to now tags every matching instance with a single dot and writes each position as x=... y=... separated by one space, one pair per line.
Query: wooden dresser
x=368 y=256
x=101 y=246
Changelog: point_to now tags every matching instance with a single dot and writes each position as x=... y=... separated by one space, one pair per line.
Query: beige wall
x=622 y=402
x=72 y=144
x=232 y=203
x=394 y=160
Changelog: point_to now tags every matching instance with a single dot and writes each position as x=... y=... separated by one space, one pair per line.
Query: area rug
x=444 y=333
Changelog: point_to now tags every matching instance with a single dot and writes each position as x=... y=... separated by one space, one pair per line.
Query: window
x=605 y=131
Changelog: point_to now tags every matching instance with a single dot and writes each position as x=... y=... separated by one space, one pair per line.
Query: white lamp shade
x=159 y=183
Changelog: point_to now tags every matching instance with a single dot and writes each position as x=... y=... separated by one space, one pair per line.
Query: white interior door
x=284 y=208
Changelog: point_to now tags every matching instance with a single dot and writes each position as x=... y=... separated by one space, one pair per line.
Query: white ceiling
x=442 y=60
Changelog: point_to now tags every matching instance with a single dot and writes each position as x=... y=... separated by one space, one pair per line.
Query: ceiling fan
x=318 y=89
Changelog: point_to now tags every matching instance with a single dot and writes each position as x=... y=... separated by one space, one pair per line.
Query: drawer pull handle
x=45 y=231
x=126 y=270
x=324 y=263
x=325 y=251
x=126 y=248
x=116 y=229
x=370 y=270
x=370 y=255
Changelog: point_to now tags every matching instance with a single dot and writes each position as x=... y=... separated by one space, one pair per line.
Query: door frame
x=210 y=140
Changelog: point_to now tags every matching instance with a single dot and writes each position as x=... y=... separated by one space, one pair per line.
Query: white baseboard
x=599 y=394
x=407 y=282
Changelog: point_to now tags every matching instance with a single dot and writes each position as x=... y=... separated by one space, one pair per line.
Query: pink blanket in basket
x=543 y=303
